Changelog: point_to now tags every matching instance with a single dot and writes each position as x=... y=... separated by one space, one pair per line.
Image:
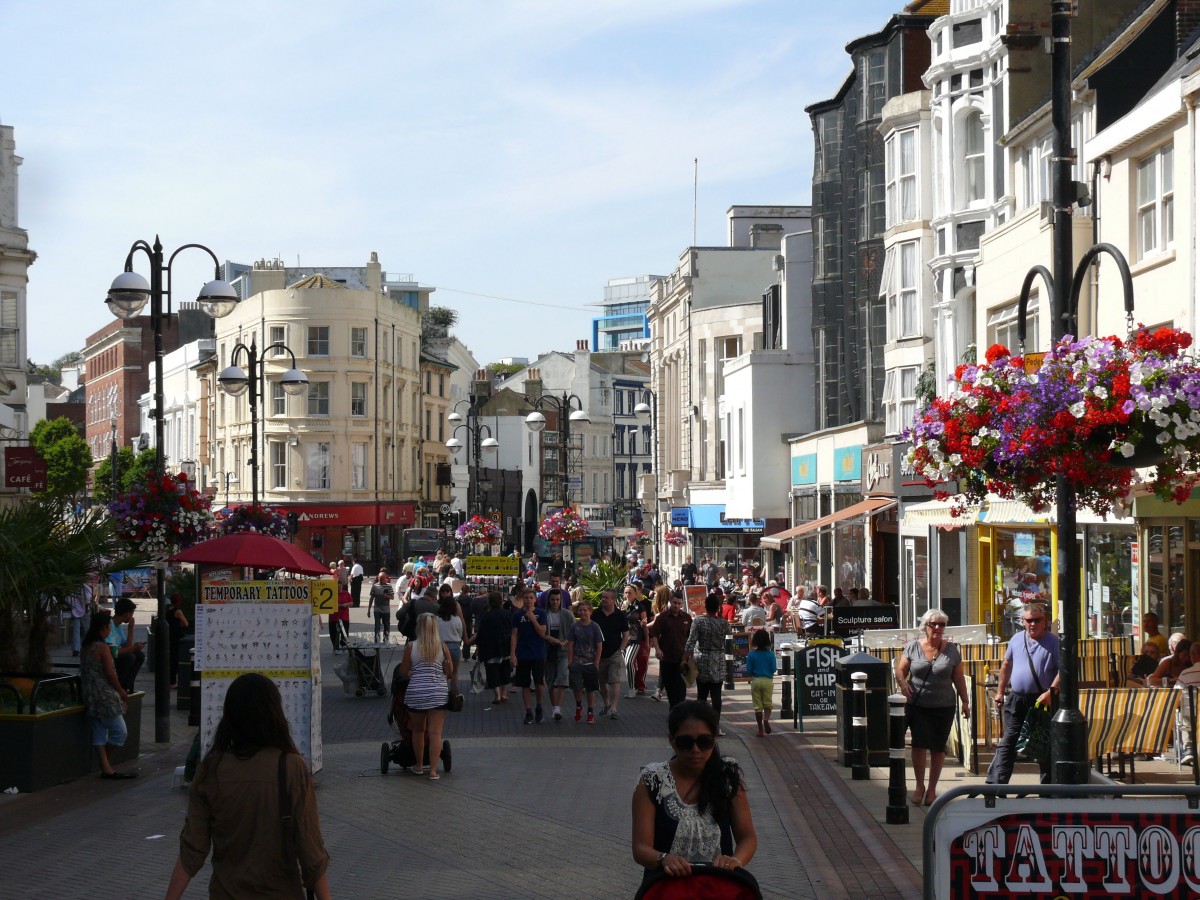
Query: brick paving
x=528 y=811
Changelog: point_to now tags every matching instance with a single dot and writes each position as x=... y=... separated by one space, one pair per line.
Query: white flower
x=1078 y=410
x=1100 y=391
x=1126 y=449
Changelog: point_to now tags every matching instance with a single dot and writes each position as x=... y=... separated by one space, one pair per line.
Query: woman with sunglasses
x=929 y=672
x=692 y=808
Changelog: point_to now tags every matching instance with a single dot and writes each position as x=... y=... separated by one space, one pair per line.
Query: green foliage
x=66 y=454
x=102 y=479
x=607 y=576
x=46 y=554
x=440 y=317
x=142 y=465
x=504 y=370
x=926 y=389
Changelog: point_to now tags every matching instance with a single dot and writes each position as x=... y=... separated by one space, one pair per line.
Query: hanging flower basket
x=162 y=515
x=675 y=538
x=563 y=527
x=1095 y=411
x=478 y=530
x=258 y=519
x=641 y=538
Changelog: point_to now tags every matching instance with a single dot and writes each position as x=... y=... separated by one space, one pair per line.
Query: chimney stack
x=1187 y=20
x=769 y=236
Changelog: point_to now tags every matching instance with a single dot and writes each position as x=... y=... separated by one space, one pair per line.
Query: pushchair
x=367 y=670
x=400 y=752
x=705 y=883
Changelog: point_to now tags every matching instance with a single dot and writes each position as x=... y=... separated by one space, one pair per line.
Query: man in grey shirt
x=1030 y=668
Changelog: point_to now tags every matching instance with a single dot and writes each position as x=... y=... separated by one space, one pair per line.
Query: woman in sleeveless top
x=103 y=696
x=426 y=665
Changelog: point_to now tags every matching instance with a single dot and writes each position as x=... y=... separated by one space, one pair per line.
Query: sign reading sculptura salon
x=1069 y=847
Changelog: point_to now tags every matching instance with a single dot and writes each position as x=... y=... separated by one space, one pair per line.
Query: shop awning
x=937 y=514
x=1014 y=512
x=870 y=506
x=711 y=517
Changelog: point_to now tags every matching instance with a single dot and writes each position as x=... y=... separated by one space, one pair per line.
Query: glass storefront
x=1021 y=572
x=1166 y=557
x=1108 y=579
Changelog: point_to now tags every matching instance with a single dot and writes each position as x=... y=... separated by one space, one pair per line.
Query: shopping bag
x=1034 y=739
x=478 y=677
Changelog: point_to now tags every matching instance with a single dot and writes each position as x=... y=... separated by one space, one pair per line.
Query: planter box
x=42 y=750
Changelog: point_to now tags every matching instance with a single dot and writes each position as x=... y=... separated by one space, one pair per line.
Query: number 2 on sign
x=324 y=597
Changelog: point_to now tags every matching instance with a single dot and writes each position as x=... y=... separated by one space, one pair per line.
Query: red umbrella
x=248 y=548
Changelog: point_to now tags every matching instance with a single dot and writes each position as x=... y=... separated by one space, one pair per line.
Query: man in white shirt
x=356 y=580
x=456 y=564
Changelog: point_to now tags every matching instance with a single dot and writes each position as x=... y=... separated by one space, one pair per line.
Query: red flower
x=995 y=352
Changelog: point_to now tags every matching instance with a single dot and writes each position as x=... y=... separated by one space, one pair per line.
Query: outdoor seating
x=1125 y=722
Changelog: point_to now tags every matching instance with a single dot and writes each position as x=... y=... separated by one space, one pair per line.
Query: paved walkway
x=528 y=811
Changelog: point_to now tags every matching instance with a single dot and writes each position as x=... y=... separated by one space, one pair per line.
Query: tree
x=504 y=370
x=102 y=479
x=65 y=453
x=440 y=317
x=142 y=465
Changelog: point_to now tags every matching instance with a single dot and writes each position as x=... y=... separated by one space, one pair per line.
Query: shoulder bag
x=287 y=821
x=1034 y=740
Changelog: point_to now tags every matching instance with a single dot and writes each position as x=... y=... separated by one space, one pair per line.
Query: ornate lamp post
x=234 y=381
x=475 y=431
x=570 y=410
x=647 y=411
x=126 y=298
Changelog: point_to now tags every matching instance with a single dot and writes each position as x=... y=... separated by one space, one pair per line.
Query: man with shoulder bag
x=1030 y=668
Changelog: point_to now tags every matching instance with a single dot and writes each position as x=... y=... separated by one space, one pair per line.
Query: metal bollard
x=729 y=664
x=788 y=652
x=897 y=807
x=860 y=769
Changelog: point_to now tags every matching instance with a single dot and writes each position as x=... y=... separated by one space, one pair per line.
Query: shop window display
x=1023 y=574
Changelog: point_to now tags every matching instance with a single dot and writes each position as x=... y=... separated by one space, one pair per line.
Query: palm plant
x=46 y=555
x=608 y=576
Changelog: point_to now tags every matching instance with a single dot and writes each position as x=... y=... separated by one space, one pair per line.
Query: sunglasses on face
x=1031 y=621
x=686 y=742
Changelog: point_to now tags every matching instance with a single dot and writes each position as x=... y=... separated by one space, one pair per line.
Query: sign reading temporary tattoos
x=1075 y=847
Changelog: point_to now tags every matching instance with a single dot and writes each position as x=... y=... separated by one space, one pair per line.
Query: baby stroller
x=705 y=883
x=400 y=752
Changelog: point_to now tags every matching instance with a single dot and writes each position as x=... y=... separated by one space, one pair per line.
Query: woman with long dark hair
x=692 y=808
x=451 y=627
x=103 y=696
x=492 y=638
x=236 y=805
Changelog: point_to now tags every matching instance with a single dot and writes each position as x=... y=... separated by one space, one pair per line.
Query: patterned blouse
x=706 y=642
x=679 y=827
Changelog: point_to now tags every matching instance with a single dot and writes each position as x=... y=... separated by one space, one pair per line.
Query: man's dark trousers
x=671 y=675
x=356 y=589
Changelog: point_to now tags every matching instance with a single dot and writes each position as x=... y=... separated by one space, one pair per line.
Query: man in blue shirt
x=1030 y=668
x=529 y=652
x=128 y=656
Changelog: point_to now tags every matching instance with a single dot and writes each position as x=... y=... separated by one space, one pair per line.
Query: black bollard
x=860 y=769
x=788 y=652
x=897 y=807
x=729 y=664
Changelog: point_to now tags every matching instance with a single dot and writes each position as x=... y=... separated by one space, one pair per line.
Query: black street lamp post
x=475 y=431
x=234 y=381
x=647 y=411
x=570 y=409
x=112 y=471
x=1068 y=728
x=126 y=298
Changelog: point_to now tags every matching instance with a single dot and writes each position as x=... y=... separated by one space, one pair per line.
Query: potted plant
x=47 y=552
x=606 y=576
x=258 y=519
x=161 y=515
x=1093 y=410
x=479 y=530
x=563 y=527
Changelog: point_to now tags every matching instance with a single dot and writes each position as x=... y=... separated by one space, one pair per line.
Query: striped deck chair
x=1123 y=722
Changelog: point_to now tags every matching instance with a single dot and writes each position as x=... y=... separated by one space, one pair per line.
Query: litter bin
x=877 y=706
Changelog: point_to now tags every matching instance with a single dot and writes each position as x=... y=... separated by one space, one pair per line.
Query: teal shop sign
x=847 y=464
x=804 y=469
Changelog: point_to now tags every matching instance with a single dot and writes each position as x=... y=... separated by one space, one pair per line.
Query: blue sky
x=524 y=149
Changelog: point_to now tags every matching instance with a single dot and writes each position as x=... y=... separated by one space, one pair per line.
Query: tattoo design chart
x=278 y=638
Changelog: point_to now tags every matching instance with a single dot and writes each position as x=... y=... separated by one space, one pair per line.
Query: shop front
x=729 y=541
x=1016 y=552
x=1166 y=571
x=365 y=531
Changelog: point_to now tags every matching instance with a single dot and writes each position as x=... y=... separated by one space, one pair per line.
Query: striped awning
x=937 y=514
